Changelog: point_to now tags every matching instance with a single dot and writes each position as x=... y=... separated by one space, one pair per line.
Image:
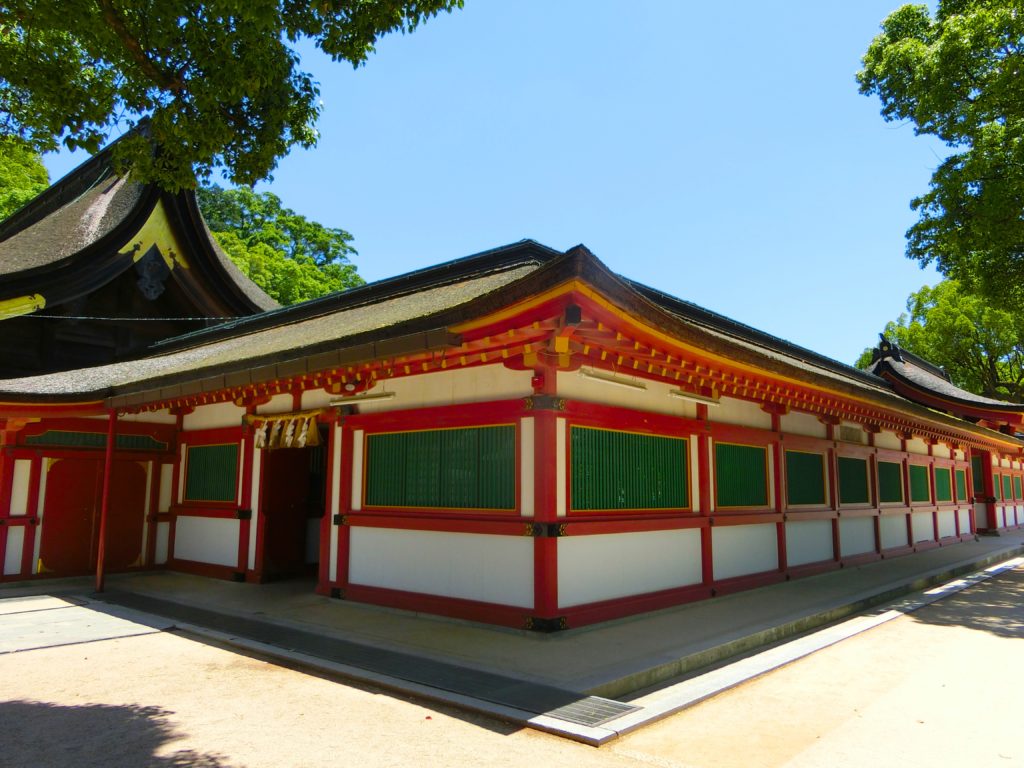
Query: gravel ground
x=936 y=688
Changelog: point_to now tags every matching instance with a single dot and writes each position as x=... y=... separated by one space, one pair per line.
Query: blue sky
x=718 y=151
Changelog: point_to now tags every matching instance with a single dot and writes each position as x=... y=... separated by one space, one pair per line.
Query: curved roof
x=72 y=232
x=921 y=381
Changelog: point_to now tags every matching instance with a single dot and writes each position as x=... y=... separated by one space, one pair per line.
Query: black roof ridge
x=66 y=189
x=484 y=262
x=921 y=362
x=719 y=322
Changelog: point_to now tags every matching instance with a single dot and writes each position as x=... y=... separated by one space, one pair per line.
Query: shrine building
x=520 y=437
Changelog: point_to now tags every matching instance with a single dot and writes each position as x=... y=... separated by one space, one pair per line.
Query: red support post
x=108 y=465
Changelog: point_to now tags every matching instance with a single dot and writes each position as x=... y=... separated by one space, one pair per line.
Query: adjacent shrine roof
x=81 y=221
x=917 y=379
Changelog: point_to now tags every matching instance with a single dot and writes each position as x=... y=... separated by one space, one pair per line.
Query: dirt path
x=936 y=688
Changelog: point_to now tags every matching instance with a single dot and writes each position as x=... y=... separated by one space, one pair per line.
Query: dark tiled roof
x=74 y=226
x=925 y=379
x=287 y=340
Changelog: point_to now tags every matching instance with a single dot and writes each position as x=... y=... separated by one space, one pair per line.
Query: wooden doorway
x=293 y=489
x=71 y=516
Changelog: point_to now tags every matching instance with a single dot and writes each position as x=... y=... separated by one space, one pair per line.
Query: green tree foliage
x=291 y=258
x=960 y=76
x=219 y=81
x=22 y=175
x=979 y=345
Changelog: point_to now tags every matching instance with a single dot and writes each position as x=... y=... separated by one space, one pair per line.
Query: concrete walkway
x=546 y=681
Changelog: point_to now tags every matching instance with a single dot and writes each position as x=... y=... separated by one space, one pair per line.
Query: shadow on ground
x=41 y=734
x=995 y=606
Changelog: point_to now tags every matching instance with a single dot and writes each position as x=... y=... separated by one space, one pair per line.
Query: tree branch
x=164 y=81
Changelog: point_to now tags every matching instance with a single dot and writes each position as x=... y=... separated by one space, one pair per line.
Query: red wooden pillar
x=108 y=465
x=347 y=446
x=780 y=489
x=245 y=511
x=545 y=498
x=707 y=555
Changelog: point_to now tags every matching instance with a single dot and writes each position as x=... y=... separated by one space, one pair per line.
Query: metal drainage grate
x=592 y=711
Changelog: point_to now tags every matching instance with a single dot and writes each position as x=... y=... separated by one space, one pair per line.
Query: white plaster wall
x=917 y=445
x=797 y=423
x=254 y=501
x=863 y=436
x=965 y=520
x=149 y=417
x=893 y=531
x=163 y=537
x=474 y=385
x=1005 y=463
x=166 y=481
x=15 y=545
x=19 y=488
x=336 y=491
x=733 y=411
x=608 y=566
x=483 y=567
x=527 y=451
x=575 y=386
x=808 y=541
x=923 y=528
x=278 y=404
x=856 y=535
x=947 y=523
x=888 y=440
x=213 y=417
x=942 y=451
x=959 y=455
x=742 y=549
x=206 y=540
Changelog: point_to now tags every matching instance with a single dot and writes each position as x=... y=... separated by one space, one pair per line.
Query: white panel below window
x=893 y=531
x=613 y=565
x=207 y=540
x=856 y=536
x=947 y=523
x=163 y=536
x=15 y=544
x=965 y=521
x=743 y=549
x=483 y=567
x=808 y=541
x=924 y=528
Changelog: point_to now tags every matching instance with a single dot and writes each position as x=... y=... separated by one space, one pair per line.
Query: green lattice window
x=741 y=475
x=805 y=478
x=977 y=474
x=996 y=485
x=1007 y=487
x=890 y=482
x=961 y=485
x=466 y=468
x=626 y=470
x=211 y=472
x=919 y=490
x=1016 y=487
x=943 y=484
x=853 y=481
